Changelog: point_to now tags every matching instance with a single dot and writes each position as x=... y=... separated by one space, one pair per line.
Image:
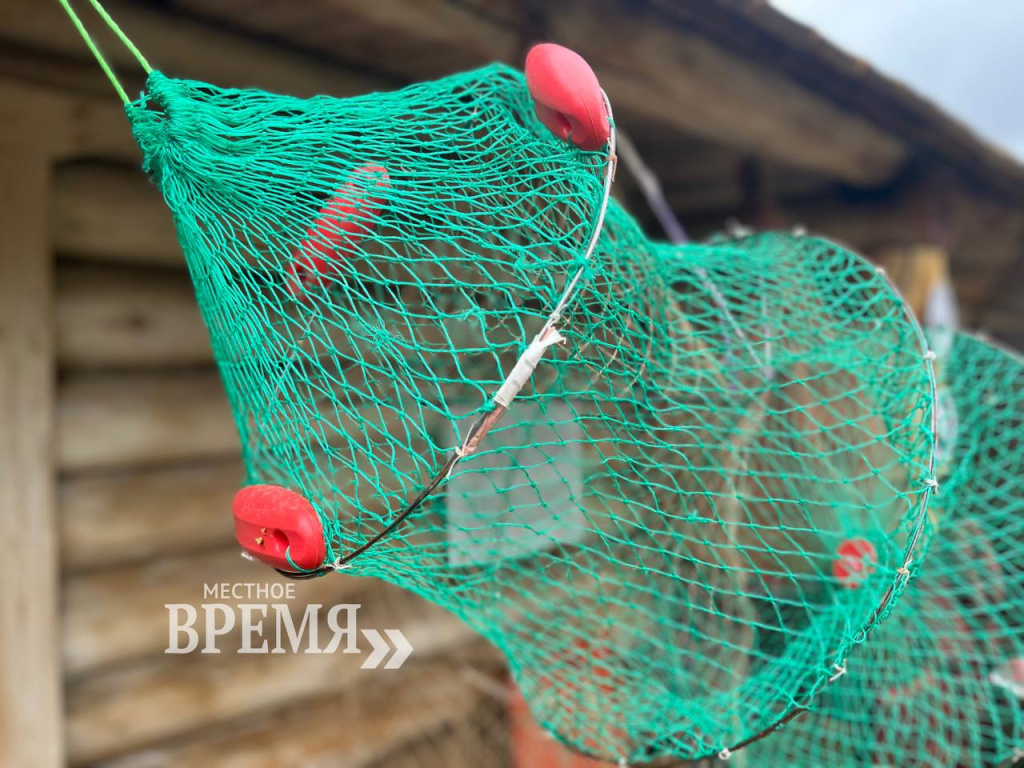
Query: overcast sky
x=965 y=55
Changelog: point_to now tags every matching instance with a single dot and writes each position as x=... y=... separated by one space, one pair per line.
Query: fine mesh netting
x=941 y=682
x=696 y=505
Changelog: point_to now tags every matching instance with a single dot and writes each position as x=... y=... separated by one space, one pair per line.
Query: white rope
x=548 y=335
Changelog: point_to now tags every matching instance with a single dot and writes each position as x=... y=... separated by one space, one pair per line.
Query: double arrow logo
x=381 y=649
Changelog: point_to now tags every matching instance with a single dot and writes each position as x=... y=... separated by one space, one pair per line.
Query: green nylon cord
x=97 y=53
x=121 y=36
x=941 y=682
x=652 y=533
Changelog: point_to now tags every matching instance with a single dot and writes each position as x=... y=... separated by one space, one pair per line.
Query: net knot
x=526 y=262
x=840 y=670
x=587 y=268
x=930 y=355
x=904 y=570
x=725 y=754
x=380 y=338
x=932 y=483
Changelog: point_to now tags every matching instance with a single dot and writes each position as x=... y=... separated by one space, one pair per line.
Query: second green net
x=941 y=683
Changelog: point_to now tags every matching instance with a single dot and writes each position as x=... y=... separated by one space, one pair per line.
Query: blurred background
x=118 y=454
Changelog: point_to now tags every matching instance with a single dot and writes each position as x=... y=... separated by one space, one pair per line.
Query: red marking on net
x=567 y=96
x=345 y=219
x=586 y=660
x=273 y=524
x=855 y=561
x=533 y=748
x=1016 y=669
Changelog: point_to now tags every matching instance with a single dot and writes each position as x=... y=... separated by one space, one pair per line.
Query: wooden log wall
x=147 y=452
x=131 y=463
x=30 y=690
x=118 y=450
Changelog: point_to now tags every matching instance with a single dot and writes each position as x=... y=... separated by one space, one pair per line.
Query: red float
x=567 y=96
x=274 y=524
x=346 y=218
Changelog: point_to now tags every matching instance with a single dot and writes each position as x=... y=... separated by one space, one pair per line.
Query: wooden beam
x=383 y=720
x=694 y=195
x=117 y=615
x=113 y=519
x=112 y=214
x=134 y=707
x=917 y=271
x=654 y=70
x=142 y=420
x=124 y=318
x=769 y=39
x=84 y=125
x=137 y=420
x=181 y=48
x=982 y=234
x=409 y=39
x=30 y=683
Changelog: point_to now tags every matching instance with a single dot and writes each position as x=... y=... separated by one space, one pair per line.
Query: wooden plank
x=135 y=707
x=112 y=213
x=118 y=518
x=730 y=190
x=182 y=48
x=917 y=271
x=382 y=719
x=138 y=420
x=78 y=124
x=120 y=318
x=30 y=687
x=410 y=39
x=65 y=77
x=768 y=38
x=477 y=738
x=96 y=128
x=650 y=67
x=654 y=70
x=117 y=615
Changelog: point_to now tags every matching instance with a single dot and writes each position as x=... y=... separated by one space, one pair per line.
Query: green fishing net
x=941 y=682
x=699 y=501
